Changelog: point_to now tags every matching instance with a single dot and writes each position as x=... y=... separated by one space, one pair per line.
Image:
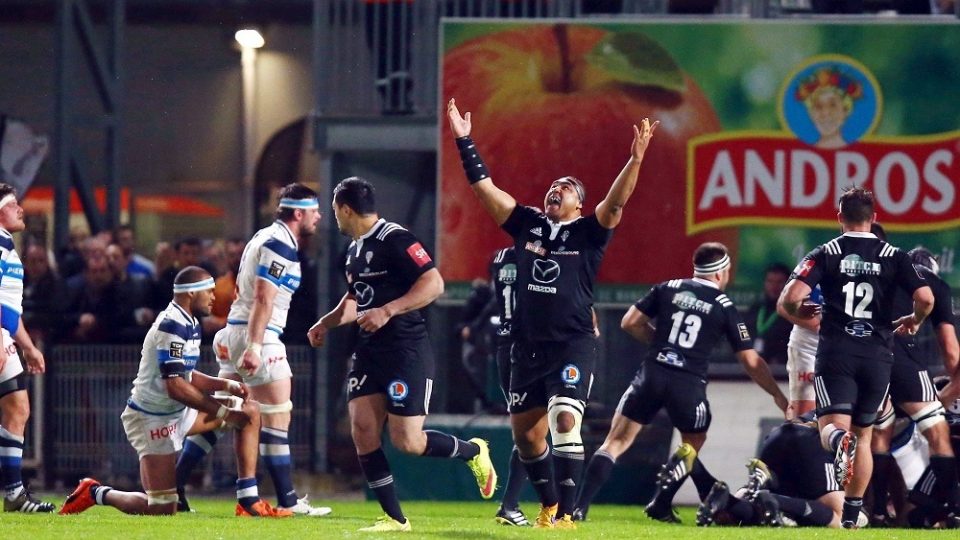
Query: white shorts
x=229 y=344
x=152 y=435
x=14 y=366
x=800 y=364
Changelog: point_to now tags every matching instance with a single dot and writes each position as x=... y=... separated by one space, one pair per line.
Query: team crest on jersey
x=276 y=269
x=570 y=374
x=369 y=256
x=564 y=236
x=853 y=265
x=176 y=350
x=398 y=390
x=536 y=231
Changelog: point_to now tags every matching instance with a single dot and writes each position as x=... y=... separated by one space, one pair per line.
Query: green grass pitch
x=214 y=520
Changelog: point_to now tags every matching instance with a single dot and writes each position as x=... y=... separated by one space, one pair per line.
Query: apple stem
x=566 y=67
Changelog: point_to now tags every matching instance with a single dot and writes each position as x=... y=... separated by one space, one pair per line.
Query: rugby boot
x=671 y=475
x=81 y=498
x=566 y=522
x=303 y=508
x=758 y=477
x=27 y=503
x=844 y=459
x=511 y=516
x=545 y=517
x=580 y=514
x=386 y=523
x=715 y=502
x=183 y=506
x=261 y=508
x=482 y=468
x=768 y=508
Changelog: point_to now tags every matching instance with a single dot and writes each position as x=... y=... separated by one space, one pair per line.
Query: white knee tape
x=885 y=419
x=165 y=496
x=231 y=401
x=570 y=442
x=267 y=408
x=929 y=416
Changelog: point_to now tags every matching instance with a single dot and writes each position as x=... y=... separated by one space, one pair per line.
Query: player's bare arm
x=791 y=301
x=499 y=203
x=812 y=324
x=427 y=288
x=610 y=210
x=950 y=350
x=922 y=306
x=344 y=313
x=183 y=391
x=637 y=324
x=264 y=293
x=31 y=354
x=207 y=384
x=758 y=370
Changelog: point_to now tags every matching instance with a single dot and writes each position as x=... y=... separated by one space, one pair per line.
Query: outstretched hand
x=459 y=125
x=641 y=136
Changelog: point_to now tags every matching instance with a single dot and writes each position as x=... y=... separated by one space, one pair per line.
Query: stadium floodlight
x=249 y=38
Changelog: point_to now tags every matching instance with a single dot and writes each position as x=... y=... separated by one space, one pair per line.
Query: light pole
x=250 y=40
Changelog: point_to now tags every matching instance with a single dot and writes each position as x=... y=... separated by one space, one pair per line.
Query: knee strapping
x=885 y=420
x=571 y=441
x=279 y=408
x=231 y=401
x=163 y=496
x=929 y=416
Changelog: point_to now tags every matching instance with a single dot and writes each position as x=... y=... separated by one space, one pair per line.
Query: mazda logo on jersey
x=570 y=374
x=364 y=294
x=398 y=390
x=545 y=270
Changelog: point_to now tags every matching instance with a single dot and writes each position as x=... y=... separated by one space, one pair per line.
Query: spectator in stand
x=42 y=293
x=163 y=257
x=214 y=258
x=771 y=331
x=70 y=257
x=133 y=295
x=188 y=253
x=90 y=312
x=137 y=265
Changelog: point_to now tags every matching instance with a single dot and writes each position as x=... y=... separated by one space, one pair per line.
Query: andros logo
x=398 y=390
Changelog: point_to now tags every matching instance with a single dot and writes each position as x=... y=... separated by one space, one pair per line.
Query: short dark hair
x=190 y=274
x=188 y=241
x=296 y=191
x=856 y=205
x=6 y=189
x=777 y=268
x=922 y=256
x=357 y=193
x=709 y=253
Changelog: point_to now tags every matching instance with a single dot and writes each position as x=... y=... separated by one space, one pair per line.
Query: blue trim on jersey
x=181 y=330
x=264 y=273
x=9 y=319
x=239 y=322
x=163 y=355
x=133 y=405
x=12 y=270
x=290 y=283
x=281 y=249
x=6 y=242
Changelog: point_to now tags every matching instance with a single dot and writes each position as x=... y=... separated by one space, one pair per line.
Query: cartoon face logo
x=545 y=270
x=398 y=390
x=830 y=101
x=363 y=293
x=570 y=374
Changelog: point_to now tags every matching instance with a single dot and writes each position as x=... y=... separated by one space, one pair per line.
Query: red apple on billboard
x=556 y=100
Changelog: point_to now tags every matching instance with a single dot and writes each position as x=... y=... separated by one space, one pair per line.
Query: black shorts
x=910 y=382
x=504 y=344
x=403 y=372
x=542 y=370
x=852 y=385
x=800 y=466
x=682 y=394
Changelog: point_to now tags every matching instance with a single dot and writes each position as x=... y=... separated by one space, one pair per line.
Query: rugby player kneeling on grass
x=169 y=401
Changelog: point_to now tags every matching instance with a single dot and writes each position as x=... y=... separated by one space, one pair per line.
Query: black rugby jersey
x=690 y=316
x=942 y=312
x=557 y=264
x=503 y=271
x=858 y=274
x=382 y=266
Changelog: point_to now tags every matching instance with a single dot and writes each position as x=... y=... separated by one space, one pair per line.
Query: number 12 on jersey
x=863 y=291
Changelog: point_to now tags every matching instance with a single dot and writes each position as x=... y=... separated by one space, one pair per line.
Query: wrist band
x=222 y=412
x=473 y=164
x=232 y=386
x=255 y=347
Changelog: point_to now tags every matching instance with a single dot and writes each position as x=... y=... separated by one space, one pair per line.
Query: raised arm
x=499 y=203
x=610 y=209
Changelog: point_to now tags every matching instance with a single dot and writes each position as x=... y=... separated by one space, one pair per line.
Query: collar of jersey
x=860 y=234
x=189 y=317
x=292 y=237
x=368 y=234
x=706 y=282
x=5 y=232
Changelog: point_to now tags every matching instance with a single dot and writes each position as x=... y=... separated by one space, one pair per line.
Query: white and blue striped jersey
x=11 y=284
x=271 y=255
x=171 y=349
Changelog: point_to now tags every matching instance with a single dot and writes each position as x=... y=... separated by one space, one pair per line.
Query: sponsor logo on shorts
x=276 y=269
x=354 y=383
x=570 y=374
x=398 y=390
x=805 y=376
x=163 y=433
x=516 y=399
